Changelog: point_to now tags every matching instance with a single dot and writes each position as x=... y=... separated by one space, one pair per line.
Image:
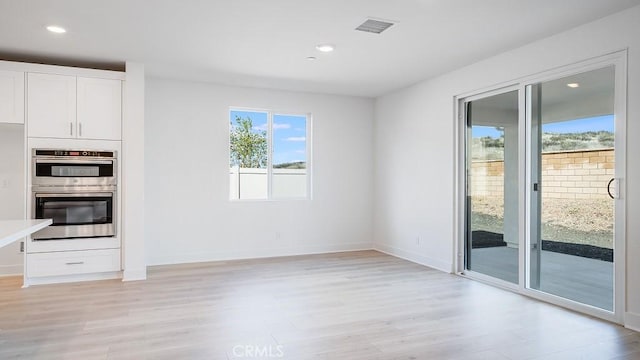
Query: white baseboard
x=255 y=254
x=414 y=257
x=73 y=278
x=11 y=270
x=134 y=275
x=632 y=321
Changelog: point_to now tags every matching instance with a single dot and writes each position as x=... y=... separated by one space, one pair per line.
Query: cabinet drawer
x=73 y=262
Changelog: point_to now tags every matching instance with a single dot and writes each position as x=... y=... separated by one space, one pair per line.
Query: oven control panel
x=74 y=153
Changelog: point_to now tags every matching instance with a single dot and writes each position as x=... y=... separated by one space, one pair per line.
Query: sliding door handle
x=609 y=188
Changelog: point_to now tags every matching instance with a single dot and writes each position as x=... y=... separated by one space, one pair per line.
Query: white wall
x=187 y=210
x=414 y=129
x=133 y=163
x=11 y=192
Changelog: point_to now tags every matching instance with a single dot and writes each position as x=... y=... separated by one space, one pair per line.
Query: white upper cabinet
x=11 y=97
x=62 y=106
x=51 y=106
x=99 y=108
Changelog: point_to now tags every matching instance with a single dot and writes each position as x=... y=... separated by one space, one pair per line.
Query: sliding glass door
x=492 y=186
x=573 y=187
x=543 y=195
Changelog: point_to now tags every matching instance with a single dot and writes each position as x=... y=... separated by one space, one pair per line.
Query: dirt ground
x=576 y=221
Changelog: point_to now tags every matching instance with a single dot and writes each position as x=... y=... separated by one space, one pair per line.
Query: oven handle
x=76 y=162
x=84 y=194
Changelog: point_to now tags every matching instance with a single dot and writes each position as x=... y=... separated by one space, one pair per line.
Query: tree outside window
x=248 y=146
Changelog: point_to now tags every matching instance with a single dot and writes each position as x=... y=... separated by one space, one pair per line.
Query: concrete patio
x=585 y=280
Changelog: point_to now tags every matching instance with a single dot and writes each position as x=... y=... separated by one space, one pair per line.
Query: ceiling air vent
x=374 y=26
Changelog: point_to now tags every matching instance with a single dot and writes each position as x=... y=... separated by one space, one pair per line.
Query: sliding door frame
x=619 y=61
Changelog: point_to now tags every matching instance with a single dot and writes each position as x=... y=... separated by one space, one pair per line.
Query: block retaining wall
x=581 y=174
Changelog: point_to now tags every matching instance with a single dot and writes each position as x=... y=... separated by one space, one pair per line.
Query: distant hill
x=291 y=165
x=577 y=141
x=489 y=148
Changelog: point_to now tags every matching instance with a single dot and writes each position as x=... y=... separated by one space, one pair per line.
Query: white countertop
x=12 y=230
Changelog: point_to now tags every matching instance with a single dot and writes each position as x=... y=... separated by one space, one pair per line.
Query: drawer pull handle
x=76 y=263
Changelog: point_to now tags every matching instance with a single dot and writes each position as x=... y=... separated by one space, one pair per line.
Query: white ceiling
x=593 y=97
x=265 y=43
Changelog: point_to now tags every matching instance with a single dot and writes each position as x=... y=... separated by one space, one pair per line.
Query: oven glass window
x=75 y=210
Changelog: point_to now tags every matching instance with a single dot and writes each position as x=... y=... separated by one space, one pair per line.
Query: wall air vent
x=374 y=26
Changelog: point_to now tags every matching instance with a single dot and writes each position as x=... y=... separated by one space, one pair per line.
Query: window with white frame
x=269 y=155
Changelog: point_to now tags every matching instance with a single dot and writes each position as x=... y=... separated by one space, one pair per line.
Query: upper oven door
x=72 y=172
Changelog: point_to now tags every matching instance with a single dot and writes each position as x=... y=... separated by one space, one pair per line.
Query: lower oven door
x=75 y=215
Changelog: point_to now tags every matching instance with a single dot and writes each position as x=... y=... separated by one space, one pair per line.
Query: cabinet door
x=51 y=105
x=99 y=109
x=11 y=97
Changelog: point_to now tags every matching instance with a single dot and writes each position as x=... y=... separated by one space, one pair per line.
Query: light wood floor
x=357 y=305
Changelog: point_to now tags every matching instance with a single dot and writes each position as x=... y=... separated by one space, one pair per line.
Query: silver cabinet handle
x=75 y=263
x=80 y=132
x=71 y=128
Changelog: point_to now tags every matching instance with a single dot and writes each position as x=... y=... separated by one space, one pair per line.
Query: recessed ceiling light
x=56 y=29
x=573 y=85
x=325 y=47
x=312 y=58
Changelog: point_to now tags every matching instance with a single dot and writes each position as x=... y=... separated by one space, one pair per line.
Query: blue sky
x=289 y=134
x=483 y=131
x=596 y=123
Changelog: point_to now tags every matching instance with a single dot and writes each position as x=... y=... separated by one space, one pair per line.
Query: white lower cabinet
x=73 y=262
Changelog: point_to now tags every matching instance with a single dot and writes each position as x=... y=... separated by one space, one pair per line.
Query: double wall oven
x=77 y=189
